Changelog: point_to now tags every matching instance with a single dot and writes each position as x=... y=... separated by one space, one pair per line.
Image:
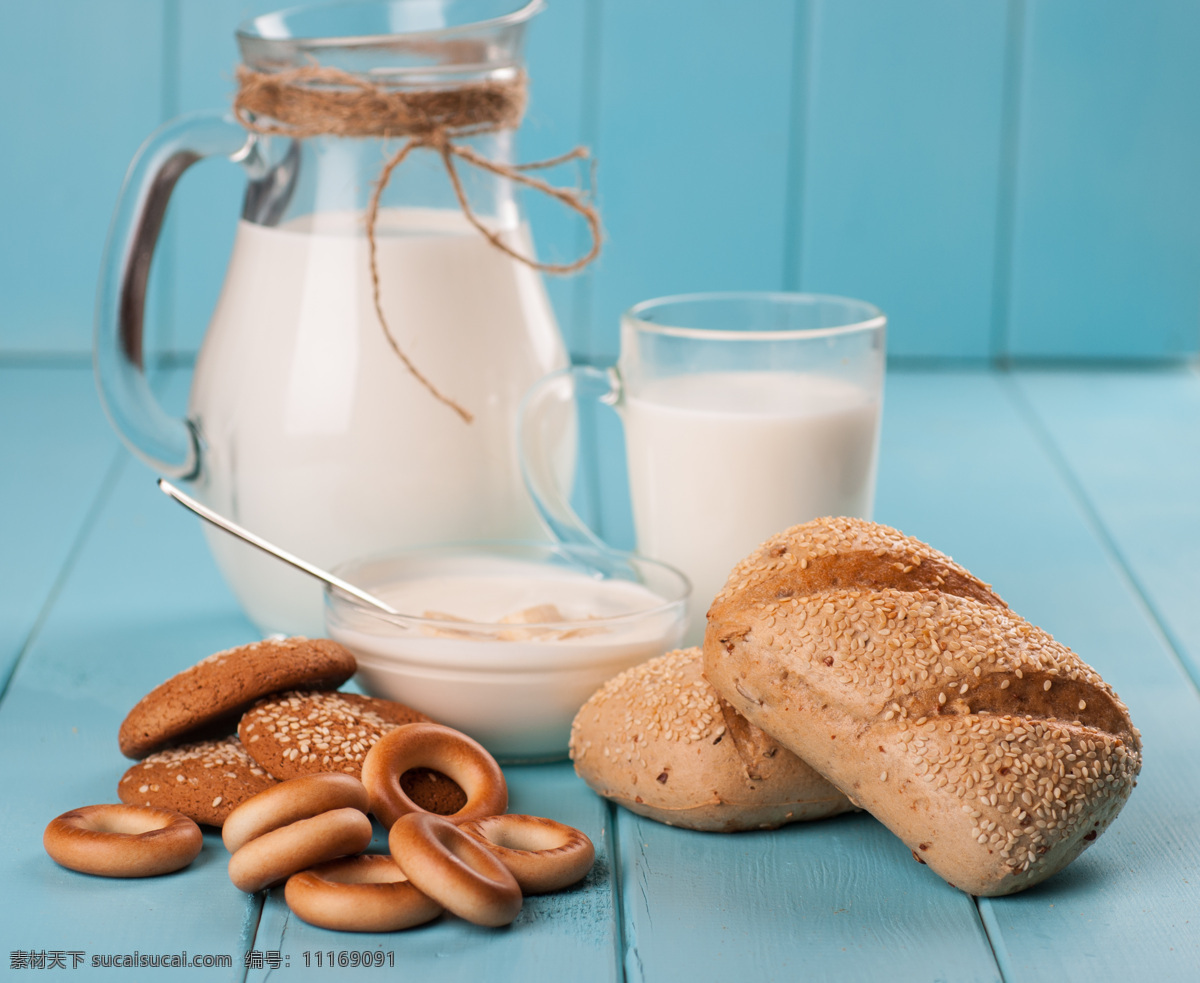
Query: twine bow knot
x=318 y=101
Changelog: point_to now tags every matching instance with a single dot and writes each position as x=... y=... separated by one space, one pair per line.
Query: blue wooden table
x=1074 y=492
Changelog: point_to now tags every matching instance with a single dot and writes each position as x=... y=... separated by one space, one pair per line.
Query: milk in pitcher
x=720 y=461
x=316 y=436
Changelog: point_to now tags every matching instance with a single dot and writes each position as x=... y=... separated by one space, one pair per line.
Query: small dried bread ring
x=289 y=802
x=541 y=854
x=123 y=840
x=441 y=749
x=368 y=893
x=457 y=871
x=273 y=857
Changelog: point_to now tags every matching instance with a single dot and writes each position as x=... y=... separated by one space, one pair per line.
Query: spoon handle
x=246 y=535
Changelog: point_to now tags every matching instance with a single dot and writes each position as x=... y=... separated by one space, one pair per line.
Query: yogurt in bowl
x=505 y=641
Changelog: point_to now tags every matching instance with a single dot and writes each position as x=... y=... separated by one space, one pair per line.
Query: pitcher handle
x=542 y=416
x=169 y=445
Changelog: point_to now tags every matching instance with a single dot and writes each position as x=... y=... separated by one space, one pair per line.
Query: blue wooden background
x=1008 y=179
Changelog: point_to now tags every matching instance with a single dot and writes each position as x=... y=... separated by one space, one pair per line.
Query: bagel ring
x=123 y=840
x=541 y=854
x=428 y=745
x=291 y=801
x=273 y=857
x=457 y=871
x=368 y=893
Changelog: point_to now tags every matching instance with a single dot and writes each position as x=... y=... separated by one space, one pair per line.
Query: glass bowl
x=505 y=641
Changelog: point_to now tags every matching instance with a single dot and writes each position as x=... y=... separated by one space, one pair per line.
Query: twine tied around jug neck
x=315 y=101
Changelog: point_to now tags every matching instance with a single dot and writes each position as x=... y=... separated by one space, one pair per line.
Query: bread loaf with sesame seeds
x=658 y=740
x=994 y=752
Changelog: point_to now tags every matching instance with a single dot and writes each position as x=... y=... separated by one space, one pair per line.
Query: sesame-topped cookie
x=301 y=732
x=225 y=684
x=204 y=780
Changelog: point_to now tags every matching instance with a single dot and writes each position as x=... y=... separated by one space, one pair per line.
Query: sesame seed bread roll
x=852 y=553
x=658 y=740
x=990 y=749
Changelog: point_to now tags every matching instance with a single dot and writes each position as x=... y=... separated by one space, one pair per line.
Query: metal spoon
x=245 y=534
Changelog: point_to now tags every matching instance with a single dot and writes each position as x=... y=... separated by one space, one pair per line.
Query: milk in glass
x=720 y=461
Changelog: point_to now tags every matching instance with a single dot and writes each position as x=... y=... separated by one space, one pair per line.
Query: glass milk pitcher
x=305 y=423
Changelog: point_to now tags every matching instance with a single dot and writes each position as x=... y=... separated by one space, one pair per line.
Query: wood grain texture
x=144 y=598
x=902 y=163
x=559 y=53
x=860 y=147
x=693 y=126
x=830 y=900
x=56 y=452
x=86 y=83
x=1132 y=443
x=984 y=486
x=141 y=602
x=1106 y=246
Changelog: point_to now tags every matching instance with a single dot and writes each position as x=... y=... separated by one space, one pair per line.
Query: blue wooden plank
x=832 y=900
x=55 y=454
x=901 y=168
x=558 y=54
x=142 y=601
x=1106 y=248
x=977 y=482
x=1133 y=442
x=694 y=108
x=145 y=590
x=46 y=907
x=992 y=498
x=570 y=935
x=89 y=82
x=143 y=598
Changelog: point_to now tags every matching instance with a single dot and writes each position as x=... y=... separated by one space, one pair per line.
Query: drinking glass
x=743 y=413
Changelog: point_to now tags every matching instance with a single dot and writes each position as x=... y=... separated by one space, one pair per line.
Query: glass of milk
x=744 y=414
x=505 y=641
